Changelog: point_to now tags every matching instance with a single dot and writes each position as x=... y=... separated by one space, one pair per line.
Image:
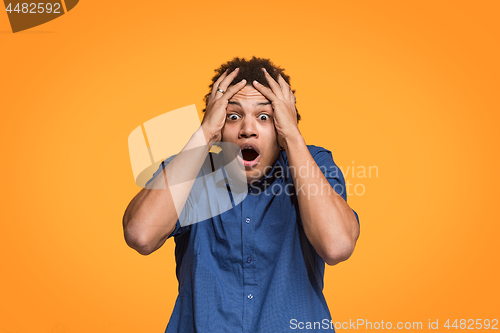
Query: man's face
x=250 y=125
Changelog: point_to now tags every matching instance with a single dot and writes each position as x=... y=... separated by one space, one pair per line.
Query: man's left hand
x=283 y=103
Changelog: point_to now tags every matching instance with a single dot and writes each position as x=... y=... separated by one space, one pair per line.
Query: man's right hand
x=215 y=114
x=152 y=215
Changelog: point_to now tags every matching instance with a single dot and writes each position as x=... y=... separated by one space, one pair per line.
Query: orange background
x=411 y=88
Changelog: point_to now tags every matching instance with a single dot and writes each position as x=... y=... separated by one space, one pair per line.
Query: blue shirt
x=252 y=268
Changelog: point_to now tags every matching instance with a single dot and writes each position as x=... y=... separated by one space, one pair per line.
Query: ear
x=278 y=142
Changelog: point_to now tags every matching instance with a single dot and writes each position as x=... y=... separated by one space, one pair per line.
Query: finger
x=274 y=85
x=285 y=88
x=231 y=91
x=216 y=84
x=268 y=93
x=226 y=82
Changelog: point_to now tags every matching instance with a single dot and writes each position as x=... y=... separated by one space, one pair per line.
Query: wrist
x=210 y=134
x=198 y=139
x=293 y=139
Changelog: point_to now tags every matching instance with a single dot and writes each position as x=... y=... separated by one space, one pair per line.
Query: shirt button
x=249 y=259
x=247 y=220
x=250 y=296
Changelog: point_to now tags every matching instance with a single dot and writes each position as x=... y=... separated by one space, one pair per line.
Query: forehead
x=248 y=95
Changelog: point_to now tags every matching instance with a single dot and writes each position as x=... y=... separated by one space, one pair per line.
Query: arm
x=152 y=215
x=329 y=223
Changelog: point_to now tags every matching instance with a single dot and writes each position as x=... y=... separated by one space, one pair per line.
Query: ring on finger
x=220 y=90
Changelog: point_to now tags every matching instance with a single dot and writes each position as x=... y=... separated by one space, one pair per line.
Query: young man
x=259 y=266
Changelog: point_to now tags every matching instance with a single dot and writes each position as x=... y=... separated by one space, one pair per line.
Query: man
x=259 y=266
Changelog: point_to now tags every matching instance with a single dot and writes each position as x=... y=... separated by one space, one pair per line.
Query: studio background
x=408 y=88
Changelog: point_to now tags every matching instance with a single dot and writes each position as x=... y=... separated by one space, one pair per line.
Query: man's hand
x=283 y=103
x=329 y=223
x=215 y=115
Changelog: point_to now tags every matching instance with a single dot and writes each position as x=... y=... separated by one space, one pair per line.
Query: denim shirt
x=251 y=268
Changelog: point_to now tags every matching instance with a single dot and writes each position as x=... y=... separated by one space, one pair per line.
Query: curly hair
x=250 y=70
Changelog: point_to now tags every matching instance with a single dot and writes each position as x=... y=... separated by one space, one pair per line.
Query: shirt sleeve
x=179 y=229
x=331 y=171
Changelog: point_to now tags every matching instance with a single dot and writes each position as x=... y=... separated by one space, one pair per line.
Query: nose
x=248 y=129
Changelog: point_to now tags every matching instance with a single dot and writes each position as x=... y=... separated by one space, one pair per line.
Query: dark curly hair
x=250 y=70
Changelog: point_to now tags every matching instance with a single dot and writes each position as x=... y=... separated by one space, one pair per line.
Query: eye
x=233 y=116
x=264 y=117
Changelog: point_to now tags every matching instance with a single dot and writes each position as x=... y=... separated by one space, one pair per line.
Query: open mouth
x=249 y=155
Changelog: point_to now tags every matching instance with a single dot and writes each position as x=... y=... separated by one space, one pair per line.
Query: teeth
x=248 y=147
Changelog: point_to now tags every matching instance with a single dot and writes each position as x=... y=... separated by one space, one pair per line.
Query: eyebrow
x=256 y=104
